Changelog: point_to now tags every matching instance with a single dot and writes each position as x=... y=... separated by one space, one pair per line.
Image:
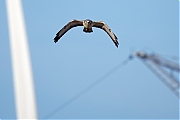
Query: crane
x=162 y=68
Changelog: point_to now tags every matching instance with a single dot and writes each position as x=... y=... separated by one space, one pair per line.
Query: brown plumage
x=88 y=24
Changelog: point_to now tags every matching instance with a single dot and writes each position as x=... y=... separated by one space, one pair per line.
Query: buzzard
x=88 y=24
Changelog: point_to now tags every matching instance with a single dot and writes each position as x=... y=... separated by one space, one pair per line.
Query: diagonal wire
x=87 y=89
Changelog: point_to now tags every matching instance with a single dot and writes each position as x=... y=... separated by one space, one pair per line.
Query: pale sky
x=61 y=70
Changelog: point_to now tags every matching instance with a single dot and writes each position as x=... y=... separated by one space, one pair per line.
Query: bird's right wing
x=67 y=27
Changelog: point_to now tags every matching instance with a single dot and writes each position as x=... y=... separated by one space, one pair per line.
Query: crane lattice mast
x=159 y=67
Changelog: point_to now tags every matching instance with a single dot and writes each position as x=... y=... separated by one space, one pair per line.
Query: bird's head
x=88 y=21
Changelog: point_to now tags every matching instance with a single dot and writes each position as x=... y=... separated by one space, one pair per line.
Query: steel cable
x=87 y=89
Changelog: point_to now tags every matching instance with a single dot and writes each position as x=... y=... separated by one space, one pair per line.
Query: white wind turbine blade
x=22 y=73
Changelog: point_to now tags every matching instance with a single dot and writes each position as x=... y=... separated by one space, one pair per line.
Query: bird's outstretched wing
x=103 y=26
x=67 y=27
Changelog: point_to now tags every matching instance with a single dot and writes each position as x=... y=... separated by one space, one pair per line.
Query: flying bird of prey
x=88 y=24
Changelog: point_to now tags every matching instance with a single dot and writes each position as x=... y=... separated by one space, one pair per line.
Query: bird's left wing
x=103 y=26
x=67 y=27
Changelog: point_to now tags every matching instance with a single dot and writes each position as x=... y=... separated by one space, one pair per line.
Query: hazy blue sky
x=62 y=70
